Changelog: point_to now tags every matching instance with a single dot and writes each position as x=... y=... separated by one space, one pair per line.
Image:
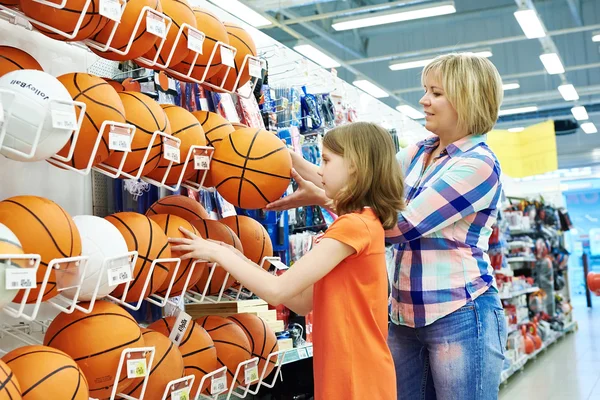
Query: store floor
x=569 y=369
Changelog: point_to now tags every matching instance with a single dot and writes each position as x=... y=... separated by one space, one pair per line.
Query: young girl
x=343 y=279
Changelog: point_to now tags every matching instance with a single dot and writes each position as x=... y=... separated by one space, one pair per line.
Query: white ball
x=99 y=241
x=9 y=244
x=33 y=92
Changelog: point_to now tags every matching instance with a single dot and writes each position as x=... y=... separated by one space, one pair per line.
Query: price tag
x=309 y=351
x=227 y=57
x=181 y=324
x=251 y=373
x=119 y=274
x=20 y=278
x=119 y=139
x=111 y=9
x=156 y=25
x=201 y=162
x=136 y=368
x=302 y=353
x=218 y=384
x=63 y=119
x=254 y=68
x=196 y=41
x=181 y=394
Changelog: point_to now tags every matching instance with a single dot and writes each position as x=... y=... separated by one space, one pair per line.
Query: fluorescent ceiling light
x=568 y=92
x=423 y=62
x=518 y=129
x=370 y=88
x=242 y=11
x=511 y=86
x=589 y=127
x=580 y=113
x=410 y=112
x=519 y=110
x=552 y=63
x=316 y=55
x=406 y=14
x=530 y=24
x=596 y=37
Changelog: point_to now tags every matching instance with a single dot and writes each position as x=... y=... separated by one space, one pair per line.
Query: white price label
x=227 y=57
x=156 y=25
x=63 y=119
x=136 y=368
x=111 y=9
x=119 y=141
x=20 y=278
x=171 y=153
x=196 y=41
x=309 y=350
x=119 y=274
x=302 y=353
x=181 y=394
x=254 y=68
x=201 y=162
x=251 y=373
x=218 y=384
x=181 y=324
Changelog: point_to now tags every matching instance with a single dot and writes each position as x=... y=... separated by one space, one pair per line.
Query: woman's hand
x=196 y=247
x=307 y=194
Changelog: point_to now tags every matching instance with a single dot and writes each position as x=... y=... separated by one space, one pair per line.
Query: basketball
x=182 y=206
x=143 y=40
x=147 y=116
x=170 y=225
x=254 y=237
x=102 y=104
x=196 y=347
x=262 y=339
x=45 y=228
x=66 y=19
x=99 y=240
x=46 y=373
x=9 y=2
x=9 y=244
x=243 y=42
x=34 y=91
x=209 y=229
x=13 y=59
x=252 y=168
x=118 y=86
x=167 y=366
x=187 y=128
x=10 y=389
x=238 y=126
x=147 y=238
x=233 y=346
x=215 y=31
x=95 y=341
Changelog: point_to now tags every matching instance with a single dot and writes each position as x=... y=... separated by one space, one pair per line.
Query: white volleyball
x=9 y=244
x=30 y=94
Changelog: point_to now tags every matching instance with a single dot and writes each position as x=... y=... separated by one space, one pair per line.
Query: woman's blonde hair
x=473 y=86
x=376 y=181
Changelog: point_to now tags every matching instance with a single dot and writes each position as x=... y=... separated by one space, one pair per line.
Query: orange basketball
x=233 y=346
x=170 y=225
x=45 y=228
x=262 y=339
x=243 y=42
x=102 y=104
x=12 y=59
x=66 y=19
x=215 y=32
x=215 y=230
x=143 y=40
x=95 y=341
x=254 y=237
x=118 y=86
x=182 y=206
x=252 y=168
x=196 y=347
x=238 y=126
x=47 y=373
x=147 y=116
x=9 y=389
x=167 y=366
x=9 y=2
x=148 y=239
x=187 y=128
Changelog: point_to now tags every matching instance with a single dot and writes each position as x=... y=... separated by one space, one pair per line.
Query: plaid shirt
x=442 y=235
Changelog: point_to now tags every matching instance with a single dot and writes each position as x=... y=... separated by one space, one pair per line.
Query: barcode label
x=227 y=57
x=180 y=327
x=218 y=384
x=119 y=274
x=181 y=394
x=254 y=68
x=196 y=41
x=251 y=373
x=20 y=278
x=136 y=368
x=302 y=354
x=309 y=350
x=111 y=9
x=170 y=152
x=119 y=141
x=62 y=119
x=156 y=25
x=201 y=162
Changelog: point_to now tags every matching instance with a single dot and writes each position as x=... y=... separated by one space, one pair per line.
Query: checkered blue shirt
x=442 y=236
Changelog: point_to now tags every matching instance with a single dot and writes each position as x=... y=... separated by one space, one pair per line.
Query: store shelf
x=519 y=231
x=519 y=243
x=299 y=353
x=504 y=271
x=518 y=293
x=521 y=259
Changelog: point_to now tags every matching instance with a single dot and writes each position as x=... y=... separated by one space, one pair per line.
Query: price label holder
x=254 y=68
x=309 y=350
x=69 y=274
x=302 y=353
x=180 y=327
x=111 y=9
x=20 y=278
x=201 y=161
x=119 y=138
x=181 y=391
x=136 y=365
x=119 y=271
x=63 y=116
x=227 y=57
x=155 y=25
x=196 y=41
x=171 y=150
x=251 y=373
x=218 y=383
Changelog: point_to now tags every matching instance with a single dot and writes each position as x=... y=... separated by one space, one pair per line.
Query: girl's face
x=334 y=172
x=440 y=115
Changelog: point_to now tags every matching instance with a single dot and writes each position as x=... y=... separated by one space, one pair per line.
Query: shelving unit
x=505 y=296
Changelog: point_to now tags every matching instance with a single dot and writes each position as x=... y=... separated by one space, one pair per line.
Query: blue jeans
x=458 y=357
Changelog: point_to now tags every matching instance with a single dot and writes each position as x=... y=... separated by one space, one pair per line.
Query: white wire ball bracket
x=129 y=354
x=234 y=90
x=176 y=385
x=198 y=298
x=274 y=261
x=180 y=34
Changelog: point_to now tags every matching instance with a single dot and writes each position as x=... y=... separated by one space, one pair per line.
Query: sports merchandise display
x=10 y=389
x=262 y=339
x=9 y=244
x=253 y=236
x=13 y=59
x=181 y=206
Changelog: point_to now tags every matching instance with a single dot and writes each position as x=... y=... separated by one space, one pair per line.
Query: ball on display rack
x=10 y=389
x=254 y=237
x=33 y=92
x=45 y=228
x=237 y=126
x=593 y=282
x=118 y=86
x=182 y=206
x=47 y=373
x=13 y=59
x=9 y=244
x=262 y=339
x=252 y=168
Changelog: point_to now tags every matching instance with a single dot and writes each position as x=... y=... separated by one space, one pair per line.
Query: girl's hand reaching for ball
x=197 y=248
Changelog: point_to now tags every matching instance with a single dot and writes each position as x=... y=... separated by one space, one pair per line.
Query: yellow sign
x=526 y=153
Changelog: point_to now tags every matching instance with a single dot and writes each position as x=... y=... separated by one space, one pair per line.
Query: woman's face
x=440 y=116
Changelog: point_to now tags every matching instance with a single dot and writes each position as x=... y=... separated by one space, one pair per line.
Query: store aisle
x=568 y=370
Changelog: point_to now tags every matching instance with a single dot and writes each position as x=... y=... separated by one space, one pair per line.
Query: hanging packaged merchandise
x=295 y=104
x=224 y=105
x=327 y=110
x=250 y=113
x=311 y=118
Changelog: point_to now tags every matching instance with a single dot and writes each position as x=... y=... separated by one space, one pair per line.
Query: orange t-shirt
x=351 y=358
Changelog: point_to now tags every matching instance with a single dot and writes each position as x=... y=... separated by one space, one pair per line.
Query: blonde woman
x=448 y=332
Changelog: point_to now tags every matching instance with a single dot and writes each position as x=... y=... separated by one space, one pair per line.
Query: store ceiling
x=477 y=25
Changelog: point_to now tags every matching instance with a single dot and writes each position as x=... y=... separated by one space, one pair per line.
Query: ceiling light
x=406 y=14
x=568 y=92
x=370 y=88
x=552 y=63
x=530 y=24
x=519 y=110
x=580 y=113
x=510 y=86
x=518 y=129
x=316 y=55
x=410 y=112
x=589 y=128
x=596 y=37
x=243 y=12
x=423 y=62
